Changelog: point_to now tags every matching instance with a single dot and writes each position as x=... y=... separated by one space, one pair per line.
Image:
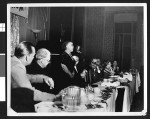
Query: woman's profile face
x=70 y=46
x=115 y=63
x=78 y=48
x=108 y=65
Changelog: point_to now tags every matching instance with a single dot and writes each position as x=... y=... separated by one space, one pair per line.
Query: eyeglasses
x=47 y=60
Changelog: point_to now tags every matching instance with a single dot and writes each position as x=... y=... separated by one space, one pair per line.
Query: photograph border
x=10 y=112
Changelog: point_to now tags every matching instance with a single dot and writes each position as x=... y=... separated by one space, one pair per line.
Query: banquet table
x=130 y=90
x=110 y=103
x=107 y=106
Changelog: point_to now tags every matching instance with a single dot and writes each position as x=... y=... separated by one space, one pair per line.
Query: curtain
x=125 y=44
x=21 y=29
x=14 y=32
x=38 y=18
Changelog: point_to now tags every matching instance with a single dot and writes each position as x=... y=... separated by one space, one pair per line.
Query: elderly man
x=41 y=65
x=23 y=56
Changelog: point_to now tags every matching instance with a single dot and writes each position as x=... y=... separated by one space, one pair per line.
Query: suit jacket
x=19 y=78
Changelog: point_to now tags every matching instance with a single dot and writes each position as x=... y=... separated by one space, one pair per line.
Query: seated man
x=23 y=56
x=115 y=67
x=40 y=65
x=95 y=71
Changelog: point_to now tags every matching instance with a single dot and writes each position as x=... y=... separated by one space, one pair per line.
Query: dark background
x=3 y=43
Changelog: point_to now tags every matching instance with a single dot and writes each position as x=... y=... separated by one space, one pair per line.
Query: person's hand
x=50 y=97
x=83 y=74
x=72 y=75
x=58 y=98
x=112 y=73
x=49 y=81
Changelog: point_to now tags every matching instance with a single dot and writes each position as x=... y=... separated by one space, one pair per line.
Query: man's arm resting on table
x=35 y=78
x=43 y=96
x=20 y=79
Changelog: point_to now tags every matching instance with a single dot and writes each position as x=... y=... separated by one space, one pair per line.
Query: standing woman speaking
x=67 y=65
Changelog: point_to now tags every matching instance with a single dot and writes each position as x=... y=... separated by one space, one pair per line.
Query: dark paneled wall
x=78 y=26
x=107 y=53
x=90 y=27
x=139 y=58
x=60 y=26
x=93 y=34
x=98 y=33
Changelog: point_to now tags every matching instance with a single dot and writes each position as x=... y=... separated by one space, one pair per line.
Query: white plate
x=75 y=109
x=45 y=107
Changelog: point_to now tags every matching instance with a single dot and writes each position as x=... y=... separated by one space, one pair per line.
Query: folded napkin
x=128 y=76
x=115 y=84
x=138 y=82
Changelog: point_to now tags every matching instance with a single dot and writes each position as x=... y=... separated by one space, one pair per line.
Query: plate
x=46 y=107
x=97 y=99
x=76 y=108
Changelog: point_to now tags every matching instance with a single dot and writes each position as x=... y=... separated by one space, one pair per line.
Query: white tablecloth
x=127 y=99
x=130 y=91
x=109 y=106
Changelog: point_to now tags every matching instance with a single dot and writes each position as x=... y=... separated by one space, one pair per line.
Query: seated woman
x=108 y=71
x=40 y=65
x=115 y=67
x=95 y=71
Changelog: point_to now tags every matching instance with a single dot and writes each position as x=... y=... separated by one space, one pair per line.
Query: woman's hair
x=106 y=63
x=23 y=48
x=65 y=44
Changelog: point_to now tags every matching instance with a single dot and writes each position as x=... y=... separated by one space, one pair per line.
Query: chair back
x=22 y=100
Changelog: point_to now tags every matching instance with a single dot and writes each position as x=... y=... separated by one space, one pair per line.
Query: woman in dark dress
x=67 y=65
x=41 y=65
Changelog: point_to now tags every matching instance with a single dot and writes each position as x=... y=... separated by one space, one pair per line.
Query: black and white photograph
x=76 y=59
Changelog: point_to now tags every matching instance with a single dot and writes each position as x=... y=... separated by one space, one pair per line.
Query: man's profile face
x=31 y=56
